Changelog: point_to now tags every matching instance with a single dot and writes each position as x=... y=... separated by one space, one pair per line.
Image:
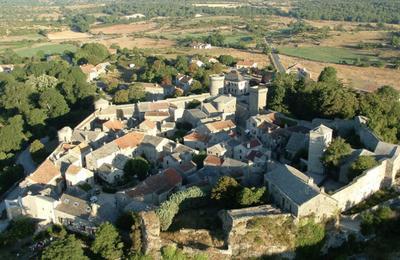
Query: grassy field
x=325 y=54
x=47 y=49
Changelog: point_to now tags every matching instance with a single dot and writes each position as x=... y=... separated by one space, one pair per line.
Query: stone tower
x=257 y=99
x=217 y=84
x=320 y=138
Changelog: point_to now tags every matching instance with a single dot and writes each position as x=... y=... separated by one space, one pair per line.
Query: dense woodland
x=387 y=11
x=38 y=98
x=328 y=98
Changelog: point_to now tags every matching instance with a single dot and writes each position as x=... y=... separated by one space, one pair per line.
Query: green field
x=326 y=54
x=47 y=49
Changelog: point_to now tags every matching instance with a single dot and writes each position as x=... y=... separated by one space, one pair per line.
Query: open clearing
x=368 y=79
x=124 y=28
x=47 y=49
x=131 y=42
x=67 y=35
x=326 y=54
x=261 y=59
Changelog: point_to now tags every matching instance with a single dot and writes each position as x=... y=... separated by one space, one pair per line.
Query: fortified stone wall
x=361 y=187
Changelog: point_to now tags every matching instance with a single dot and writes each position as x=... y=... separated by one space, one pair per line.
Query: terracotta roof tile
x=220 y=125
x=148 y=124
x=195 y=136
x=213 y=160
x=114 y=125
x=45 y=173
x=156 y=113
x=130 y=140
x=172 y=176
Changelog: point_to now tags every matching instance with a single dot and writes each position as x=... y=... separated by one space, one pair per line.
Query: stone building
x=257 y=99
x=296 y=193
x=320 y=138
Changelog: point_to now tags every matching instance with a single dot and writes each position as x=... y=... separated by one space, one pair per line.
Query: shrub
x=309 y=239
x=251 y=196
x=169 y=208
x=362 y=164
x=224 y=192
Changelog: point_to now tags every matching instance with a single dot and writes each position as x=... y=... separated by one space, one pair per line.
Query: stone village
x=240 y=137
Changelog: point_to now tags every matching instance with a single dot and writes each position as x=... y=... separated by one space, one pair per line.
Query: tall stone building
x=217 y=84
x=320 y=138
x=257 y=99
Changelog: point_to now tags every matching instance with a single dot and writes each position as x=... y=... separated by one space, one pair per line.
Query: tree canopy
x=137 y=167
x=362 y=164
x=336 y=152
x=64 y=249
x=107 y=242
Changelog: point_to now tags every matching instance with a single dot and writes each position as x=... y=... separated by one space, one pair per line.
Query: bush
x=169 y=208
x=38 y=151
x=309 y=239
x=224 y=192
x=362 y=164
x=251 y=196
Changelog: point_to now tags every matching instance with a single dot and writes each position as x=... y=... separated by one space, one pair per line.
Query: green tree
x=42 y=82
x=121 y=96
x=362 y=164
x=36 y=117
x=37 y=151
x=64 y=249
x=53 y=102
x=107 y=242
x=138 y=167
x=11 y=135
x=336 y=152
x=225 y=190
x=92 y=53
x=328 y=74
x=196 y=87
x=251 y=196
x=227 y=60
x=136 y=93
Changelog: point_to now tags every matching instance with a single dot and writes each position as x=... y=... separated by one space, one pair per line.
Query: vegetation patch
x=46 y=49
x=326 y=54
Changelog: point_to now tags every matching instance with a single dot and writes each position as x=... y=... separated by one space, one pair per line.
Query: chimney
x=95 y=208
x=310 y=181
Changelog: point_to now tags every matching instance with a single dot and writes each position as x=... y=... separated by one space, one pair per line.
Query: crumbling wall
x=243 y=238
x=150 y=228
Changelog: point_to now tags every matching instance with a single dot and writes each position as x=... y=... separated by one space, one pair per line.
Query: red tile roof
x=195 y=136
x=45 y=173
x=130 y=140
x=114 y=125
x=220 y=125
x=156 y=113
x=213 y=160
